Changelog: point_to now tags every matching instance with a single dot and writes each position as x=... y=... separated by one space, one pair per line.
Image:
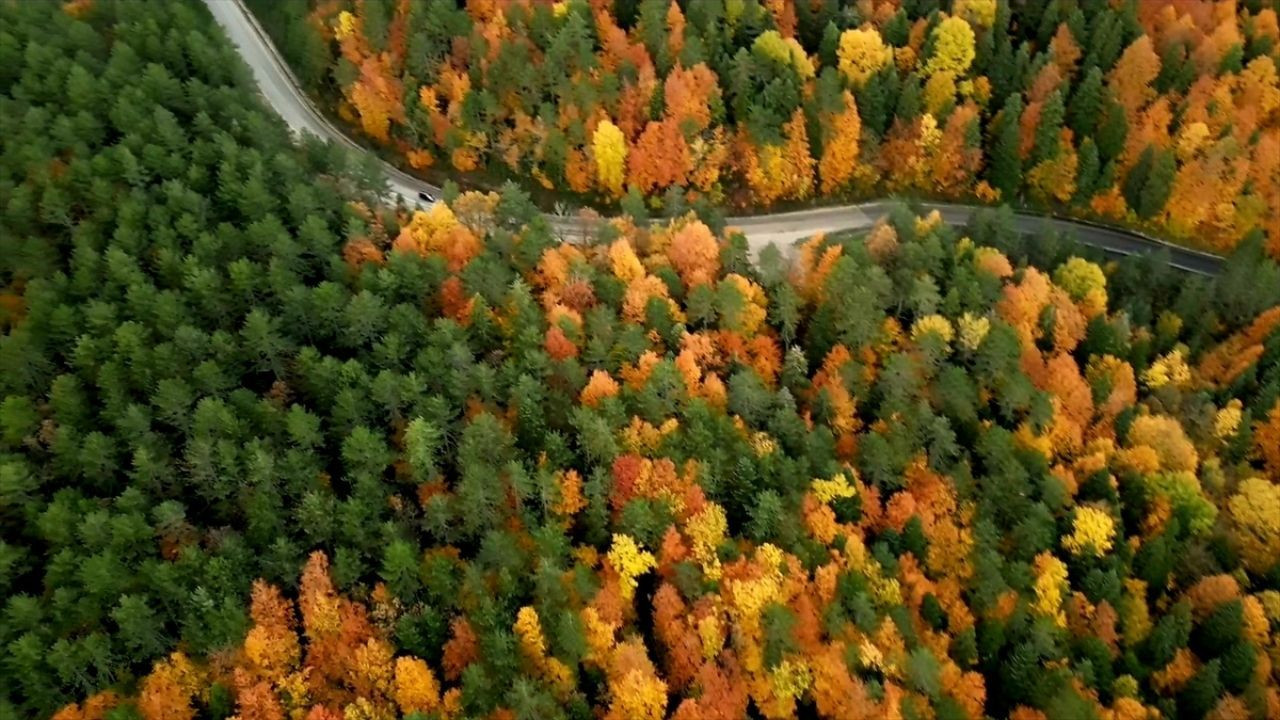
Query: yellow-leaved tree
x=953 y=47
x=610 y=149
x=786 y=51
x=1092 y=532
x=1079 y=277
x=1255 y=519
x=978 y=12
x=862 y=53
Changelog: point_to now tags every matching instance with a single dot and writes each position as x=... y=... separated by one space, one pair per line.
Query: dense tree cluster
x=269 y=449
x=1161 y=114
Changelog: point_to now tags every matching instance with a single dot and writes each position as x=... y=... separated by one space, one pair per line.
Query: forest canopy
x=270 y=448
x=1163 y=115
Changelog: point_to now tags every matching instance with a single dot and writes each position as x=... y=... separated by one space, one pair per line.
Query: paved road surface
x=283 y=93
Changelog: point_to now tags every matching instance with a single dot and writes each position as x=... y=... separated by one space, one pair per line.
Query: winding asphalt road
x=282 y=91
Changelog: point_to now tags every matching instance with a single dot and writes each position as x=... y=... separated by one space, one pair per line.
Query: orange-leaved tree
x=842 y=133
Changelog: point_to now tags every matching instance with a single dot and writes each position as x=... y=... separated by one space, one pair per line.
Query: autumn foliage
x=271 y=448
x=653 y=96
x=866 y=590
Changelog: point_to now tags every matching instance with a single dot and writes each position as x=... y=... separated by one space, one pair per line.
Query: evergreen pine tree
x=1077 y=24
x=1177 y=70
x=1022 y=64
x=813 y=21
x=1113 y=129
x=897 y=31
x=632 y=204
x=1158 y=185
x=1087 y=173
x=1048 y=24
x=1238 y=664
x=1219 y=631
x=984 y=50
x=1086 y=103
x=1006 y=165
x=1048 y=133
x=908 y=99
x=1233 y=59
x=1201 y=693
x=1170 y=633
x=1001 y=69
x=829 y=46
x=1105 y=42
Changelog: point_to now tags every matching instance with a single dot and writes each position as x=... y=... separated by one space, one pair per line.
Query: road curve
x=283 y=92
